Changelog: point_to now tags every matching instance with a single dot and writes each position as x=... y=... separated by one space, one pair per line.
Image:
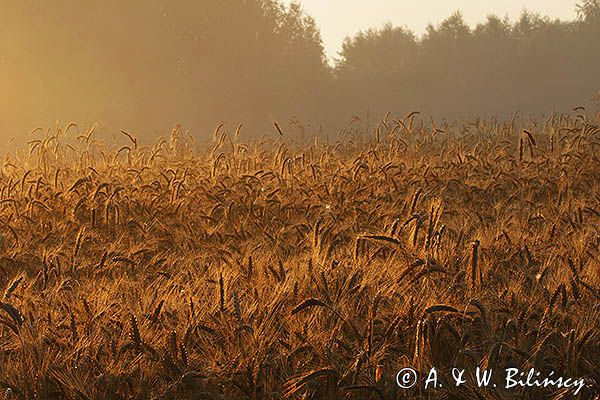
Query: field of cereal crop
x=302 y=269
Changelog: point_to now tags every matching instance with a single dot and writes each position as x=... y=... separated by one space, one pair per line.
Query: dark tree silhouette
x=144 y=65
x=147 y=64
x=589 y=10
x=534 y=65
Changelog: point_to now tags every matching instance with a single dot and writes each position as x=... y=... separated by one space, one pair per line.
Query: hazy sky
x=340 y=18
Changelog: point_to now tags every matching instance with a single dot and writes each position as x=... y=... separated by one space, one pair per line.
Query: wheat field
x=300 y=267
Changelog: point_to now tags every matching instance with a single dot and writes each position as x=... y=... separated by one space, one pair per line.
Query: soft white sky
x=340 y=18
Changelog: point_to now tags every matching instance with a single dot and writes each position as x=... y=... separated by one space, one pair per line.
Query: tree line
x=146 y=64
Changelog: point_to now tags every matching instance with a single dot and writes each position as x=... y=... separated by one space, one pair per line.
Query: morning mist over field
x=270 y=200
x=146 y=65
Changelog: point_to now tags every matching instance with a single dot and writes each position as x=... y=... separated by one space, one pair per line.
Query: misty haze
x=146 y=65
x=265 y=199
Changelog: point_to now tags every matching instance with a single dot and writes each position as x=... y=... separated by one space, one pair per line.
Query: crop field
x=298 y=266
